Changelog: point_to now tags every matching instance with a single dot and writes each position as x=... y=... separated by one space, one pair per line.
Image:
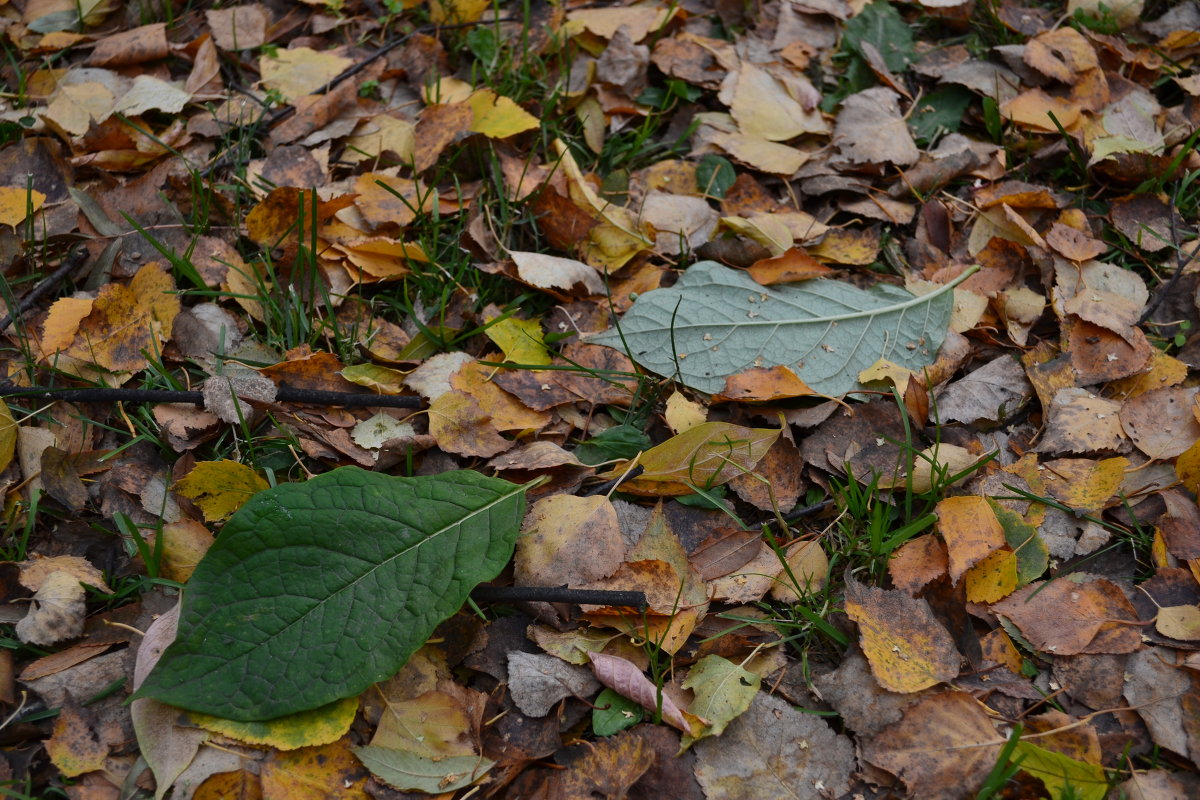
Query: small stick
x=69 y=265
x=286 y=394
x=543 y=594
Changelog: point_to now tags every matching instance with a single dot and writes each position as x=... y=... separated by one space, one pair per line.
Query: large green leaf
x=316 y=590
x=716 y=322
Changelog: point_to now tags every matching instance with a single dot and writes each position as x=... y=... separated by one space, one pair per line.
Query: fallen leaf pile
x=688 y=270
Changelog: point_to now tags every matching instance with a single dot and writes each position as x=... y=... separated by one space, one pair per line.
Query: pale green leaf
x=410 y=772
x=717 y=322
x=723 y=690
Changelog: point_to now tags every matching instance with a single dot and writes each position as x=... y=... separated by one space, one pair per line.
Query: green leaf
x=940 y=111
x=410 y=772
x=715 y=175
x=723 y=690
x=314 y=591
x=716 y=322
x=880 y=24
x=1033 y=557
x=1064 y=777
x=612 y=713
x=621 y=441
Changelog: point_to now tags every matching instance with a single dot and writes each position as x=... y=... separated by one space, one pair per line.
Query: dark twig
x=286 y=394
x=71 y=263
x=542 y=594
x=800 y=513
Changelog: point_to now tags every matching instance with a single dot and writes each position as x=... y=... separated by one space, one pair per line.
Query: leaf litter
x=725 y=262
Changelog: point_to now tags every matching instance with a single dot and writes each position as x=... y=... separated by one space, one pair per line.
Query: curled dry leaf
x=56 y=611
x=624 y=678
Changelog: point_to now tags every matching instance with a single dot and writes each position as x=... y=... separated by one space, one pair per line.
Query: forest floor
x=580 y=400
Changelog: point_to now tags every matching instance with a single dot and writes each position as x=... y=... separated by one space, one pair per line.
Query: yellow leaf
x=759 y=153
x=1187 y=467
x=383 y=380
x=1178 y=622
x=457 y=11
x=306 y=729
x=8 y=436
x=683 y=414
x=463 y=428
x=808 y=565
x=498 y=117
x=521 y=340
x=17 y=203
x=1082 y=483
x=58 y=331
x=507 y=412
x=970 y=529
x=73 y=747
x=992 y=578
x=906 y=646
x=612 y=246
x=184 y=544
x=949 y=459
x=125 y=323
x=434 y=724
x=762 y=229
x=220 y=488
x=848 y=246
x=298 y=71
x=381 y=134
x=1164 y=371
x=705 y=456
x=889 y=372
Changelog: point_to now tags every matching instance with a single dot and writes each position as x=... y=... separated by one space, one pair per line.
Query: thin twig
x=71 y=263
x=544 y=594
x=285 y=394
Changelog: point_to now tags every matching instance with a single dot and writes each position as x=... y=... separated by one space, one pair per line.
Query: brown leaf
x=568 y=540
x=907 y=647
x=1074 y=244
x=1098 y=354
x=1075 y=614
x=238 y=28
x=134 y=46
x=1081 y=423
x=871 y=130
x=793 y=265
x=776 y=482
x=918 y=562
x=74 y=747
x=944 y=744
x=1160 y=422
x=461 y=426
x=763 y=384
x=1146 y=220
x=437 y=128
x=608 y=767
x=772 y=745
x=725 y=552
